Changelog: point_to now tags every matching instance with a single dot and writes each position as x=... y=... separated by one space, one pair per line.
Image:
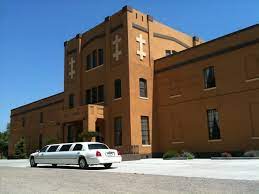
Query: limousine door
x=64 y=155
x=39 y=158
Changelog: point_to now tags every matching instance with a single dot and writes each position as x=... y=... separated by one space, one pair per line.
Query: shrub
x=171 y=154
x=87 y=135
x=188 y=155
x=226 y=154
x=252 y=153
x=20 y=149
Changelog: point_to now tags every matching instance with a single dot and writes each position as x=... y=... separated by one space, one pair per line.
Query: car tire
x=82 y=163
x=54 y=165
x=107 y=165
x=32 y=162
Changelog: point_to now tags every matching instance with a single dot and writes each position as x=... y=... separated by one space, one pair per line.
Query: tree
x=87 y=135
x=20 y=149
x=4 y=141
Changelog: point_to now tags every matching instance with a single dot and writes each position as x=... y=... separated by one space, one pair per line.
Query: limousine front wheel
x=82 y=163
x=32 y=162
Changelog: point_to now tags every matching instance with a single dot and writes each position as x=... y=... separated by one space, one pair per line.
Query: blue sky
x=32 y=35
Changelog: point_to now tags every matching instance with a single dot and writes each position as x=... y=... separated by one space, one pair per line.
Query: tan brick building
x=109 y=75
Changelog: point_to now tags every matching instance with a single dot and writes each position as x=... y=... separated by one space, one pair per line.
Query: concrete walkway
x=203 y=168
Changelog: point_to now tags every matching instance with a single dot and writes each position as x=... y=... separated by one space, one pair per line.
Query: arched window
x=143 y=87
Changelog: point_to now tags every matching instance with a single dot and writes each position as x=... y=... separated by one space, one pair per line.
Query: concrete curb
x=233 y=158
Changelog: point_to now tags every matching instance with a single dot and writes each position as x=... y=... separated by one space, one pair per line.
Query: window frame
x=118 y=131
x=143 y=89
x=147 y=130
x=117 y=89
x=206 y=77
x=212 y=134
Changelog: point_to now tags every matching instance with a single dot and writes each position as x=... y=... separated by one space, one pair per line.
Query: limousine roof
x=83 y=142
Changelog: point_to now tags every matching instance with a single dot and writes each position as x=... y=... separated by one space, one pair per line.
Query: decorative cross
x=72 y=71
x=141 y=52
x=117 y=52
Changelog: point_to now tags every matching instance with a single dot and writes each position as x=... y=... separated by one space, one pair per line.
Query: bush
x=188 y=155
x=175 y=154
x=20 y=149
x=252 y=153
x=226 y=154
x=171 y=154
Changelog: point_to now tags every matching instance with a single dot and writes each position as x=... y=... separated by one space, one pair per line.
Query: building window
x=100 y=57
x=40 y=141
x=142 y=87
x=117 y=131
x=69 y=134
x=170 y=52
x=71 y=101
x=23 y=122
x=41 y=117
x=88 y=62
x=88 y=97
x=94 y=59
x=145 y=130
x=213 y=124
x=100 y=93
x=209 y=77
x=94 y=95
x=117 y=88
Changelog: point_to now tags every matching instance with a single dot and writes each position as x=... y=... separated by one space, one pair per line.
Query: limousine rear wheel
x=32 y=162
x=82 y=163
x=108 y=165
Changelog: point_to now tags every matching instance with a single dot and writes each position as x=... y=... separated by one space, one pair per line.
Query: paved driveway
x=203 y=168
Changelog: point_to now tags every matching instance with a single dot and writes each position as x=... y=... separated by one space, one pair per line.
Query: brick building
x=109 y=75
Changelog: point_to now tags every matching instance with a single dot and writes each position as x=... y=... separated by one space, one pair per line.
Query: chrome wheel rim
x=32 y=161
x=82 y=163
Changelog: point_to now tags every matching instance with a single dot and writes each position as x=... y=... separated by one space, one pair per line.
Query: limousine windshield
x=97 y=146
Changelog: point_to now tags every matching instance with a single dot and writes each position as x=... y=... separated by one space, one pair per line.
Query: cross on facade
x=141 y=52
x=72 y=71
x=117 y=52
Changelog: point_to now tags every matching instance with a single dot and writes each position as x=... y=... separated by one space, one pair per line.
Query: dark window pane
x=53 y=148
x=71 y=101
x=69 y=134
x=44 y=149
x=142 y=87
x=97 y=146
x=209 y=77
x=100 y=57
x=88 y=62
x=78 y=147
x=41 y=117
x=117 y=131
x=117 y=88
x=145 y=130
x=65 y=147
x=88 y=97
x=100 y=93
x=213 y=124
x=94 y=95
x=94 y=59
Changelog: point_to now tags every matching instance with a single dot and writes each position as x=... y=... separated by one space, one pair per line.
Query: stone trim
x=158 y=35
x=206 y=56
x=138 y=27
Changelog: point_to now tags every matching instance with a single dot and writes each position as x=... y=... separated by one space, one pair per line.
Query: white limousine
x=83 y=154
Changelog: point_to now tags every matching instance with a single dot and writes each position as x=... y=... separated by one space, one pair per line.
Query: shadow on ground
x=75 y=167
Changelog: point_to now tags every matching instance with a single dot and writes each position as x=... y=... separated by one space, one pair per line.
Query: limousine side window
x=65 y=147
x=78 y=147
x=44 y=149
x=53 y=148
